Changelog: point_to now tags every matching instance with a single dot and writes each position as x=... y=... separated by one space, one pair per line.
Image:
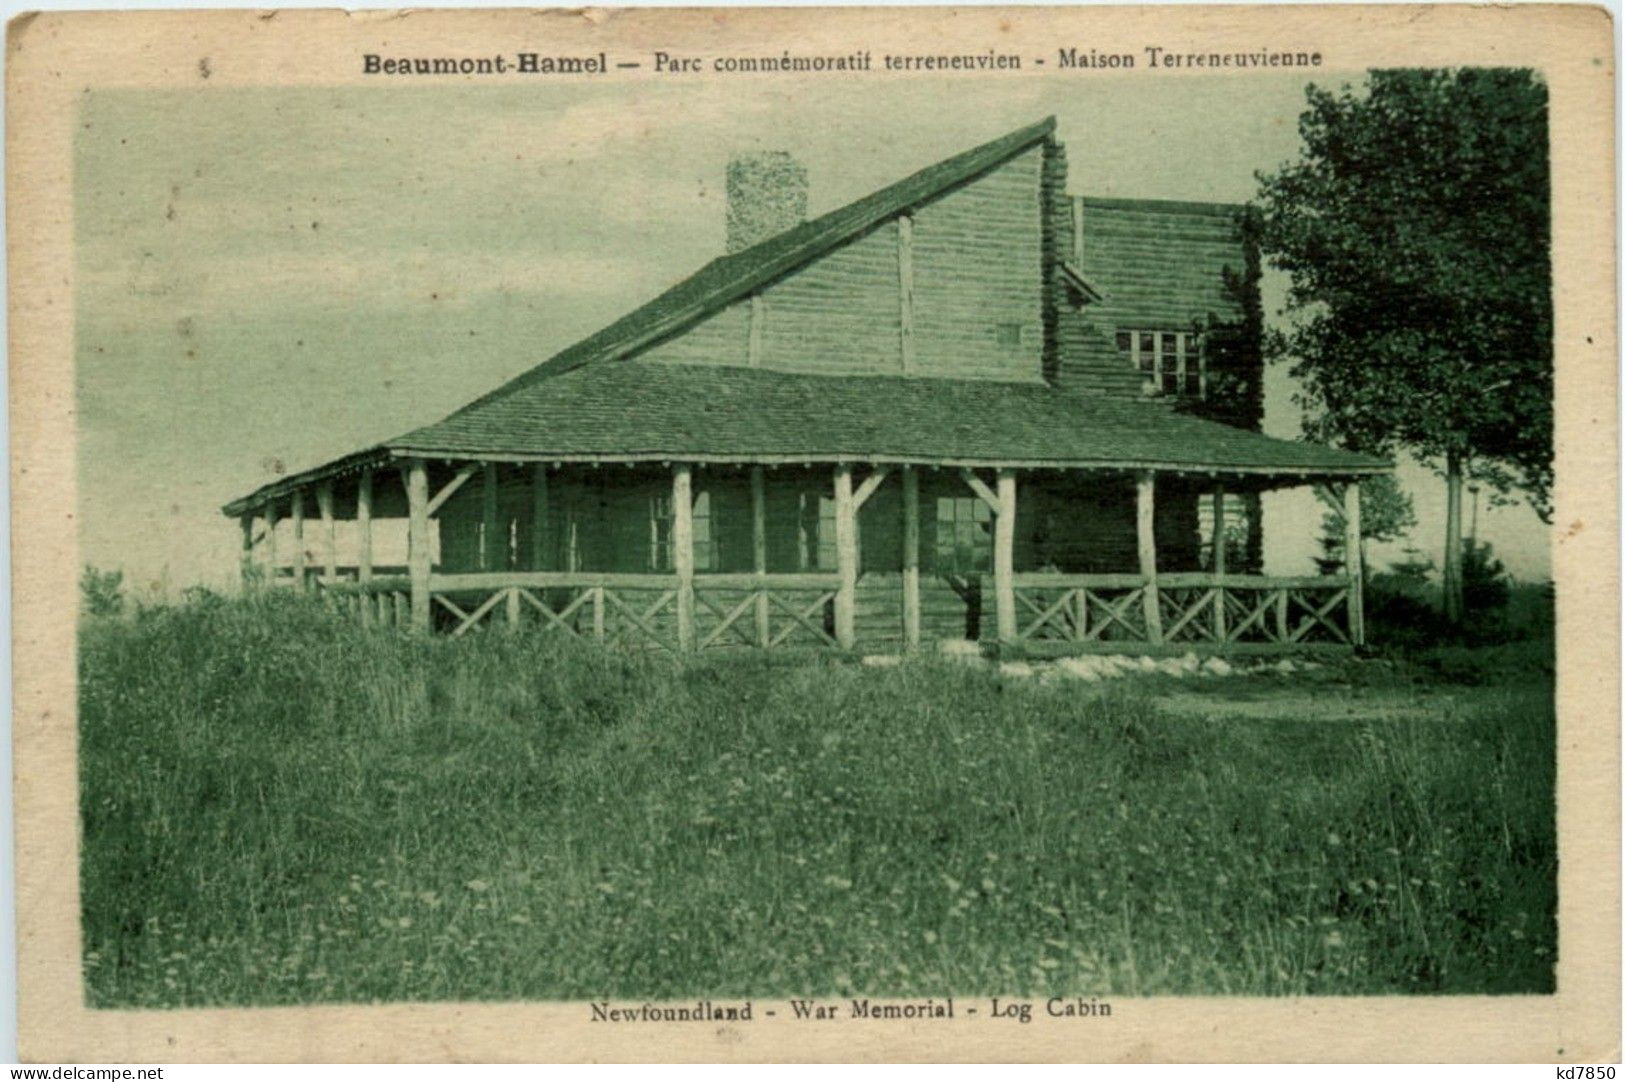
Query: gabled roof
x=728 y=278
x=573 y=408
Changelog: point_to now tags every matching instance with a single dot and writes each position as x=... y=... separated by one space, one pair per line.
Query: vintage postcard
x=1045 y=533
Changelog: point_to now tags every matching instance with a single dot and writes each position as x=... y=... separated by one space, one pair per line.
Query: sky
x=271 y=278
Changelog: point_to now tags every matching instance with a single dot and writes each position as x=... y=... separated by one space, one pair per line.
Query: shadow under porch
x=874 y=557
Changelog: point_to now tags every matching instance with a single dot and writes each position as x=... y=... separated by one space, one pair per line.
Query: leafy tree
x=1415 y=230
x=1386 y=514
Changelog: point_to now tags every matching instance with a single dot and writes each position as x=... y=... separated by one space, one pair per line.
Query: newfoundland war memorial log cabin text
x=967 y=406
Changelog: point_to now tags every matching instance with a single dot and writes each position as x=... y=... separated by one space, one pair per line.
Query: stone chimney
x=767 y=194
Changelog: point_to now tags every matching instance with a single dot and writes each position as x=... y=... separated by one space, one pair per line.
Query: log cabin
x=969 y=406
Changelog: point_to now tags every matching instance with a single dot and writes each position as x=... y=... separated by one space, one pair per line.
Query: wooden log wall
x=956 y=293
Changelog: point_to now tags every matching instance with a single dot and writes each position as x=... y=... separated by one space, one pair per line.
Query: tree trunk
x=1452 y=540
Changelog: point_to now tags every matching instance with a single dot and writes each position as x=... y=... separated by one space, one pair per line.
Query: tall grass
x=278 y=808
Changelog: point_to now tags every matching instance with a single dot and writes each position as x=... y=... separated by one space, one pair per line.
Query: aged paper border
x=52 y=58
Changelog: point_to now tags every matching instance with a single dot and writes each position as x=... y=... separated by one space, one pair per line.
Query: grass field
x=280 y=809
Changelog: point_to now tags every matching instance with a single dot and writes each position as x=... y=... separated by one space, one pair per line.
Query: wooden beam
x=493 y=548
x=1220 y=556
x=449 y=489
x=247 y=524
x=330 y=541
x=911 y=558
x=978 y=486
x=758 y=323
x=1354 y=562
x=758 y=548
x=905 y=291
x=363 y=526
x=1145 y=528
x=363 y=542
x=682 y=550
x=541 y=520
x=417 y=555
x=1077 y=230
x=1004 y=559
x=846 y=559
x=272 y=562
x=861 y=495
x=297 y=513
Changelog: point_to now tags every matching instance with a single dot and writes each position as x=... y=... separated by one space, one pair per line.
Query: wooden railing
x=765 y=611
x=734 y=610
x=1247 y=612
x=1060 y=612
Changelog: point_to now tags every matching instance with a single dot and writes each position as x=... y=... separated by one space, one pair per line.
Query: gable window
x=964 y=543
x=1169 y=362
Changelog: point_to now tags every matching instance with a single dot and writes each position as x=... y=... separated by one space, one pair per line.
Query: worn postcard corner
x=1044 y=533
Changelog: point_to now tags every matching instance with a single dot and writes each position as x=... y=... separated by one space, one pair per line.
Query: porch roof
x=637 y=411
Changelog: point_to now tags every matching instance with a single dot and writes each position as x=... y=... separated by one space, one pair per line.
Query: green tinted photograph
x=1050 y=538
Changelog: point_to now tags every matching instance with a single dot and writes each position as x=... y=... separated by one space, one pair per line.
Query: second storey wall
x=975 y=260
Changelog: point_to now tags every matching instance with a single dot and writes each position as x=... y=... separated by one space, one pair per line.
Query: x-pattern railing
x=740 y=619
x=1194 y=609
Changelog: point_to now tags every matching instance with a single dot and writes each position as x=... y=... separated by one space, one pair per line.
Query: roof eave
x=284 y=486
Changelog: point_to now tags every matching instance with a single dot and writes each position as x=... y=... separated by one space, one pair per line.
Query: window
x=964 y=535
x=815 y=531
x=706 y=557
x=1170 y=362
x=660 y=533
x=722 y=532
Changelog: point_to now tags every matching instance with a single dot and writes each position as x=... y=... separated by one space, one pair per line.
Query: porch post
x=363 y=542
x=330 y=541
x=682 y=550
x=1004 y=556
x=417 y=502
x=1145 y=522
x=1353 y=562
x=247 y=523
x=489 y=547
x=297 y=513
x=541 y=523
x=272 y=562
x=1220 y=631
x=758 y=544
x=911 y=558
x=846 y=559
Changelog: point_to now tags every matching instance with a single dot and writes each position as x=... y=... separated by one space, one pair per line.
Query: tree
x=1386 y=514
x=1415 y=231
x=101 y=593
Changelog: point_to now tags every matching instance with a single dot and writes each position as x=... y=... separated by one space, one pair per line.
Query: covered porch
x=876 y=555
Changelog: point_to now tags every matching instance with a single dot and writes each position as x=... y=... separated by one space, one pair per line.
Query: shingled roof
x=595 y=401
